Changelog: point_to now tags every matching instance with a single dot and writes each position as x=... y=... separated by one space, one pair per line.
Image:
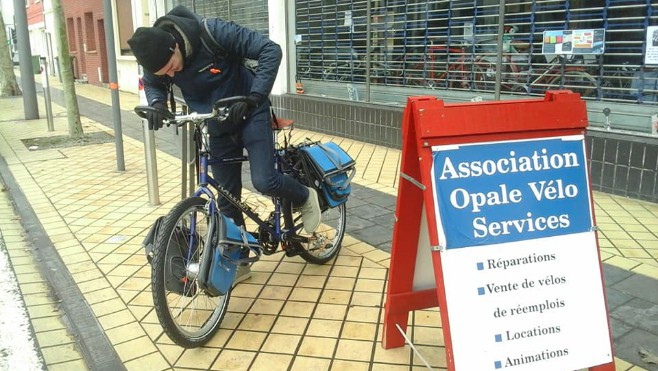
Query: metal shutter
x=452 y=45
x=248 y=13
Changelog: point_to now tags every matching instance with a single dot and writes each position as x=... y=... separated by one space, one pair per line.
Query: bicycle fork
x=205 y=259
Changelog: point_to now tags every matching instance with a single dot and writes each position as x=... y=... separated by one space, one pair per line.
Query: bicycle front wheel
x=187 y=313
x=578 y=82
x=325 y=242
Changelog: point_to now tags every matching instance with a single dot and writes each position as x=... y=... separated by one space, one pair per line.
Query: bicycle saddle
x=279 y=123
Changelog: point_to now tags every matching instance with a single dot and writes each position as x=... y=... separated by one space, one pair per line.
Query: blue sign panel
x=499 y=192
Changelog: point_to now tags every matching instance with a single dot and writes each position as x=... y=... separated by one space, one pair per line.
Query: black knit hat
x=153 y=47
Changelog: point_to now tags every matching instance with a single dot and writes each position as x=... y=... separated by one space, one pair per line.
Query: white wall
x=144 y=14
x=277 y=14
x=7 y=7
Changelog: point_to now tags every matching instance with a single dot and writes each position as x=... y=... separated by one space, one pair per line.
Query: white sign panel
x=651 y=55
x=520 y=263
x=574 y=41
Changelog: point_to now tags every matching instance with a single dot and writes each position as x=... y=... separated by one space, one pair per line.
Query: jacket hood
x=188 y=26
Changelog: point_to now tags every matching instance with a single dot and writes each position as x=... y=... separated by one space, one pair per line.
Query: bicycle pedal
x=325 y=246
x=291 y=251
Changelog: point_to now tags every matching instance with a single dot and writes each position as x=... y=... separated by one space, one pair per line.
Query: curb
x=98 y=352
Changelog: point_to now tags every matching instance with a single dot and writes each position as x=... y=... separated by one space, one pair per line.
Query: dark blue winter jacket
x=206 y=78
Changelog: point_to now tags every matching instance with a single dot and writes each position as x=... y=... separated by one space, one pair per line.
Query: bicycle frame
x=551 y=70
x=205 y=180
x=206 y=184
x=447 y=66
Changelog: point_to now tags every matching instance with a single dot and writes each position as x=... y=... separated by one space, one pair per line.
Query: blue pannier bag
x=233 y=248
x=332 y=171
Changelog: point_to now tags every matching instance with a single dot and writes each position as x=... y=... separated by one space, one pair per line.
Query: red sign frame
x=429 y=122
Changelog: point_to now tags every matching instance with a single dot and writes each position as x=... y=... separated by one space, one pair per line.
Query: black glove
x=155 y=118
x=239 y=112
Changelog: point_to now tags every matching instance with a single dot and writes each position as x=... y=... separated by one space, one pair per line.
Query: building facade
x=85 y=31
x=381 y=51
x=356 y=61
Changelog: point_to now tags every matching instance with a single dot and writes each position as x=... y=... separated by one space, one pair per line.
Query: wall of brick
x=86 y=62
x=34 y=12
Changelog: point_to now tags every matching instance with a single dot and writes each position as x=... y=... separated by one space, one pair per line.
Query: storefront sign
x=574 y=41
x=521 y=254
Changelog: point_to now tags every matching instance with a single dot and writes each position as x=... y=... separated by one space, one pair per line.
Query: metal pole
x=191 y=160
x=187 y=156
x=368 y=54
x=46 y=94
x=499 y=57
x=30 y=103
x=149 y=154
x=151 y=165
x=184 y=160
x=114 y=86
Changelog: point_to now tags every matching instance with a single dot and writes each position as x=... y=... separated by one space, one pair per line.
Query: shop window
x=70 y=34
x=452 y=45
x=125 y=22
x=90 y=34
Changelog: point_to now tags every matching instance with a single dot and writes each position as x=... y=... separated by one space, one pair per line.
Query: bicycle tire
x=481 y=81
x=325 y=243
x=579 y=82
x=187 y=313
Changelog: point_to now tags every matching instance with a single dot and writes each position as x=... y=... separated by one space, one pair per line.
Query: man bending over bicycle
x=172 y=52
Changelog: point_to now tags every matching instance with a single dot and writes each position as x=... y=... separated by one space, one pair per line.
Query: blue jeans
x=256 y=138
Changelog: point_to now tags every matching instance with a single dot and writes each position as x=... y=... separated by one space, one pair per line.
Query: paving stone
x=370 y=211
x=612 y=274
x=374 y=235
x=386 y=220
x=628 y=345
x=616 y=298
x=364 y=192
x=353 y=202
x=639 y=313
x=641 y=286
x=356 y=223
x=619 y=328
x=382 y=199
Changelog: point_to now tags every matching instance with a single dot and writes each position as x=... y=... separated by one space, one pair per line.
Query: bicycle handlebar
x=142 y=110
x=219 y=111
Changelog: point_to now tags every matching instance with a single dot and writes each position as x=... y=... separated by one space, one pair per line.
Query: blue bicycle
x=195 y=250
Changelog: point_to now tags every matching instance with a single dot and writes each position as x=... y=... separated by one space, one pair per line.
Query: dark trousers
x=256 y=138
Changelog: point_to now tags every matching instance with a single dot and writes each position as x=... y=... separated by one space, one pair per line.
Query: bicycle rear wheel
x=325 y=242
x=187 y=313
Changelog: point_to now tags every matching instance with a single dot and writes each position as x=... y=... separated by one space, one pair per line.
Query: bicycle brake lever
x=222 y=114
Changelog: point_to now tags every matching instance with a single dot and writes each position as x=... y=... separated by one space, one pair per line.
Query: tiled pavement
x=290 y=315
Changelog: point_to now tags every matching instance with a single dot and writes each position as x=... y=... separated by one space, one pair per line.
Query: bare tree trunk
x=72 y=109
x=8 y=84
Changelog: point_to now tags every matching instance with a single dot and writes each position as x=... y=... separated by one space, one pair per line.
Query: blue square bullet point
x=498 y=365
x=480 y=290
x=480 y=266
x=499 y=338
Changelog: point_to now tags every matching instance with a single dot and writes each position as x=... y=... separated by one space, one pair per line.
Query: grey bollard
x=606 y=112
x=149 y=155
x=46 y=94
